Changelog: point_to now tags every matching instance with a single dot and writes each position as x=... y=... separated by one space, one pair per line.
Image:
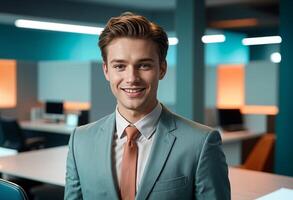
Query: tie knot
x=131 y=132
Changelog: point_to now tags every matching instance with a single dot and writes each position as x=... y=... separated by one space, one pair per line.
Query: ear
x=163 y=69
x=106 y=71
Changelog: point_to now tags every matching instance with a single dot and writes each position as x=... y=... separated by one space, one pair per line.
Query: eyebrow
x=118 y=60
x=146 y=59
x=140 y=60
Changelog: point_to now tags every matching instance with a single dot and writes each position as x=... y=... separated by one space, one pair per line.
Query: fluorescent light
x=52 y=26
x=276 y=57
x=58 y=27
x=262 y=40
x=213 y=38
x=173 y=40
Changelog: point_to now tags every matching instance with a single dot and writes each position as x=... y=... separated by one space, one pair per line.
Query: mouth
x=133 y=92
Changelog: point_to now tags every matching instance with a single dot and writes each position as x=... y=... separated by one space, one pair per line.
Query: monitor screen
x=230 y=118
x=54 y=107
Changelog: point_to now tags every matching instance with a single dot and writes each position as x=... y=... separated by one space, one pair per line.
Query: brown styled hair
x=133 y=26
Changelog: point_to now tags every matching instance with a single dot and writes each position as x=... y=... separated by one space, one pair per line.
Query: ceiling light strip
x=173 y=40
x=262 y=40
x=22 y=23
x=52 y=26
x=213 y=38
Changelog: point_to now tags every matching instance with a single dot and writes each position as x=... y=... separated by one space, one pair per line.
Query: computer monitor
x=54 y=110
x=230 y=119
x=83 y=117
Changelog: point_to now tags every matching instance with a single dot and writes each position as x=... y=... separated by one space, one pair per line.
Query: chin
x=134 y=106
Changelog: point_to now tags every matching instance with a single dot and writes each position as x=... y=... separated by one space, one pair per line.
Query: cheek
x=114 y=89
x=153 y=80
x=115 y=81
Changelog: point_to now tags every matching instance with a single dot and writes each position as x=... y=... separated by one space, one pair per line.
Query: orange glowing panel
x=265 y=110
x=7 y=83
x=234 y=23
x=230 y=86
x=76 y=105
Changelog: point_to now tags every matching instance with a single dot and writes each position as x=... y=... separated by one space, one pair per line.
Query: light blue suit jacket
x=186 y=162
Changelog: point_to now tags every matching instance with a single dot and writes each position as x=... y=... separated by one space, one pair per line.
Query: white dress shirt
x=146 y=126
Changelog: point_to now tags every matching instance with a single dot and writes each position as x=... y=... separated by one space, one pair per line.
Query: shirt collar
x=146 y=125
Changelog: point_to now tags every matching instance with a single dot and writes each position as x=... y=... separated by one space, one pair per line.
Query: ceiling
x=141 y=4
x=255 y=16
x=168 y=4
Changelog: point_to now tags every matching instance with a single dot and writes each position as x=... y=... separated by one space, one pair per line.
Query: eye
x=144 y=66
x=119 y=67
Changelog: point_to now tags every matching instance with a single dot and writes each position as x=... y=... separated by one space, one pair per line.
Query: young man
x=142 y=150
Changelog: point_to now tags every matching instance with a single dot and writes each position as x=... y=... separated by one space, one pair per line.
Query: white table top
x=60 y=128
x=49 y=166
x=247 y=184
x=46 y=165
x=236 y=136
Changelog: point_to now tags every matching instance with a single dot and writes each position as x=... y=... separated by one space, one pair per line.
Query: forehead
x=131 y=49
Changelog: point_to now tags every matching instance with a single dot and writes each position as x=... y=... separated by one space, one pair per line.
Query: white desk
x=46 y=165
x=49 y=166
x=235 y=136
x=60 y=128
x=247 y=184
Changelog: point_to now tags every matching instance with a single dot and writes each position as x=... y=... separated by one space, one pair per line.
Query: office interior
x=52 y=81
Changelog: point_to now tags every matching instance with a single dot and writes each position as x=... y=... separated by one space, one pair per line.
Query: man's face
x=133 y=70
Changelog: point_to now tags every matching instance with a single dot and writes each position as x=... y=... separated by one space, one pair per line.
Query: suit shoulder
x=184 y=123
x=92 y=127
x=193 y=131
x=192 y=136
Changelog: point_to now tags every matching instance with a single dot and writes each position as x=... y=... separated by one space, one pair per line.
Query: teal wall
x=189 y=27
x=263 y=52
x=229 y=52
x=284 y=150
x=28 y=44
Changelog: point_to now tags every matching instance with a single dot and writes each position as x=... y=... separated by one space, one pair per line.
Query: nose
x=132 y=75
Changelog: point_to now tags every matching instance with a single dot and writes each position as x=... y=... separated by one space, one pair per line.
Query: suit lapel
x=161 y=149
x=106 y=133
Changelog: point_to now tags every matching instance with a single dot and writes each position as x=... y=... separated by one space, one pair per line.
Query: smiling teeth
x=132 y=90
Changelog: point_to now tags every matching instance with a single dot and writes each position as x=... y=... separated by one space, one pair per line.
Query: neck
x=134 y=115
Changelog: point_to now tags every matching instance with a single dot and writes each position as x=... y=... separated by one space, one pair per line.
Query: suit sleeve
x=211 y=179
x=72 y=186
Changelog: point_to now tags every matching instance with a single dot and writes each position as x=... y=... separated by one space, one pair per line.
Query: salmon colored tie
x=129 y=162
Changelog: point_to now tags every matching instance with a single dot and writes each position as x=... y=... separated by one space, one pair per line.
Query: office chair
x=261 y=154
x=47 y=192
x=11 y=191
x=12 y=137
